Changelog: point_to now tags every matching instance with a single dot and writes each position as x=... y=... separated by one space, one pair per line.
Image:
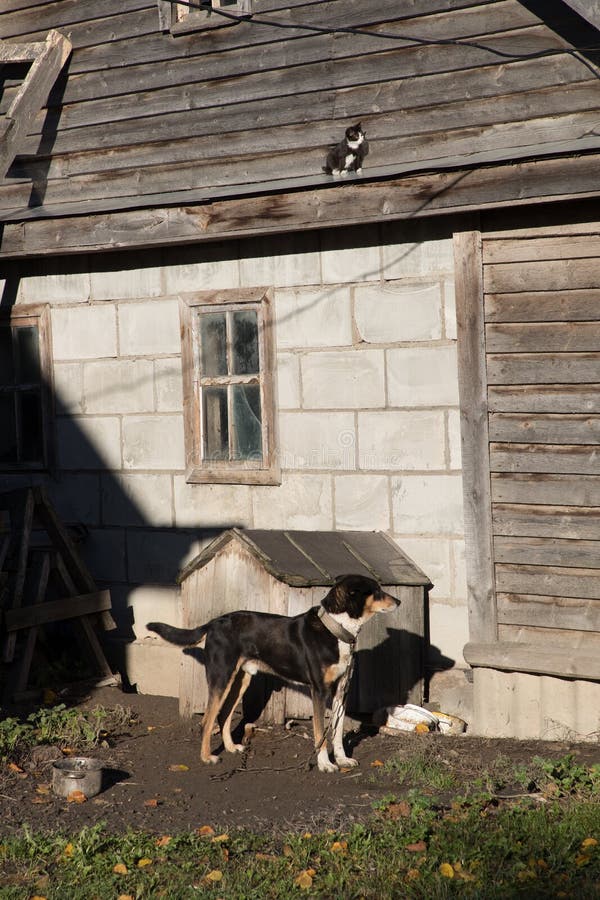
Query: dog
x=314 y=648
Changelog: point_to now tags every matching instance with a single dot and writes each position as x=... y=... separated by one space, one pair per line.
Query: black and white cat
x=348 y=155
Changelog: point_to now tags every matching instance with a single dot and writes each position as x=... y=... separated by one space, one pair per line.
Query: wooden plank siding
x=541 y=296
x=143 y=118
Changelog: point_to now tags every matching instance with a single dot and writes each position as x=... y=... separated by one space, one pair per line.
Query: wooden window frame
x=21 y=317
x=199 y=470
x=180 y=19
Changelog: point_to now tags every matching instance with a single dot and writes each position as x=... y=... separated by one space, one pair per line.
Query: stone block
x=153 y=603
x=449 y=630
x=118 y=386
x=288 y=381
x=84 y=332
x=393 y=440
x=149 y=328
x=104 y=553
x=211 y=505
x=317 y=440
x=434 y=557
x=152 y=667
x=450 y=309
x=68 y=388
x=417 y=249
x=108 y=282
x=201 y=267
x=76 y=497
x=350 y=255
x=454 y=444
x=88 y=442
x=303 y=502
x=153 y=442
x=422 y=376
x=50 y=286
x=427 y=505
x=313 y=318
x=343 y=380
x=156 y=557
x=362 y=502
x=395 y=311
x=284 y=260
x=137 y=499
x=168 y=385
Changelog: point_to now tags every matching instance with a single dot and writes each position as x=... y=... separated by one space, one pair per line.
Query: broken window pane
x=213 y=338
x=215 y=424
x=245 y=343
x=247 y=443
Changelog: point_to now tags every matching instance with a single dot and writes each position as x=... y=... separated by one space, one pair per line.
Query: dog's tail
x=184 y=637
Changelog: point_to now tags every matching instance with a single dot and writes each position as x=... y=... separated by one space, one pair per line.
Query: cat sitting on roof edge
x=348 y=155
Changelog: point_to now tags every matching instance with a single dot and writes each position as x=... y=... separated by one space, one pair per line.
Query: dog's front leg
x=338 y=711
x=323 y=761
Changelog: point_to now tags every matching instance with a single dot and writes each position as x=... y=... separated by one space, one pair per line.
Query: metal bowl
x=77 y=773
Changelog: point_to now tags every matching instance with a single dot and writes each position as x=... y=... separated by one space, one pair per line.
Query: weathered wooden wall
x=142 y=115
x=541 y=340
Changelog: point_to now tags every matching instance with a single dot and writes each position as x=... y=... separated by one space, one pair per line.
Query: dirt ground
x=153 y=778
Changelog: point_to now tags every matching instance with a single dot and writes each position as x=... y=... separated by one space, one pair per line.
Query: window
x=179 y=18
x=24 y=390
x=228 y=387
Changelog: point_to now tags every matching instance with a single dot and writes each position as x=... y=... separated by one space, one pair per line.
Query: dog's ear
x=335 y=601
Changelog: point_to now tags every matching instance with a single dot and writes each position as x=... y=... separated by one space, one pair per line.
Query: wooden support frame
x=472 y=381
x=47 y=59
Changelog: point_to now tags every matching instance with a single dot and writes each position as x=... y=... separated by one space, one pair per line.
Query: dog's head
x=358 y=597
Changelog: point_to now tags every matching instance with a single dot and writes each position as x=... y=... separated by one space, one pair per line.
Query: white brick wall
x=367 y=412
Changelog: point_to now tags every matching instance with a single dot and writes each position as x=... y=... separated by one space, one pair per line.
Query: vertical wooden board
x=472 y=380
x=298 y=703
x=278 y=593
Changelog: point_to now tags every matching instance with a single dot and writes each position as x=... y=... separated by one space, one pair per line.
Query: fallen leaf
x=287 y=850
x=213 y=876
x=205 y=831
x=40 y=800
x=417 y=847
x=120 y=869
x=76 y=797
x=164 y=840
x=43 y=788
x=399 y=810
x=68 y=851
x=220 y=838
x=339 y=847
x=305 y=879
x=376 y=763
x=152 y=802
x=143 y=862
x=421 y=728
x=13 y=767
x=179 y=767
x=125 y=897
x=447 y=870
x=150 y=727
x=67 y=750
x=589 y=842
x=266 y=857
x=413 y=874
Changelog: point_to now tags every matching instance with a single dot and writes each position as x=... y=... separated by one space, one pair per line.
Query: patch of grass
x=59 y=725
x=423 y=769
x=468 y=851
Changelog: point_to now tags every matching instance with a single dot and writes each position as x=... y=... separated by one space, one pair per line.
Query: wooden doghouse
x=287 y=572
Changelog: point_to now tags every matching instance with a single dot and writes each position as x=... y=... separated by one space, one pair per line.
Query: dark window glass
x=247 y=431
x=245 y=343
x=29 y=355
x=8 y=429
x=215 y=424
x=32 y=450
x=7 y=367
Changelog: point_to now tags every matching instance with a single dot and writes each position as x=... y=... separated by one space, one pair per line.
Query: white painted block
x=392 y=440
x=350 y=255
x=153 y=442
x=68 y=388
x=449 y=630
x=153 y=667
x=417 y=249
x=201 y=267
x=362 y=502
x=125 y=284
x=153 y=603
x=84 y=332
x=48 y=287
x=89 y=442
x=303 y=502
x=137 y=499
x=343 y=380
x=285 y=260
x=422 y=376
x=211 y=505
x=288 y=381
x=395 y=311
x=118 y=386
x=427 y=505
x=149 y=328
x=317 y=440
x=450 y=309
x=433 y=556
x=313 y=318
x=454 y=439
x=168 y=385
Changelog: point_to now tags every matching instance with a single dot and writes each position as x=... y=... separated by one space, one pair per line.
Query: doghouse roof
x=314 y=558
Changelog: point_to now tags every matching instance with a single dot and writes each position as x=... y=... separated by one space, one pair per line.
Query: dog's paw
x=345 y=762
x=325 y=765
x=237 y=748
x=211 y=760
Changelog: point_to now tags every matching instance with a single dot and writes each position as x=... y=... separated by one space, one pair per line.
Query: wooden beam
x=181 y=221
x=472 y=382
x=563 y=662
x=57 y=610
x=32 y=95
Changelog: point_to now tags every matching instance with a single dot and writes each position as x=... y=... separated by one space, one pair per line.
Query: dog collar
x=337 y=630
